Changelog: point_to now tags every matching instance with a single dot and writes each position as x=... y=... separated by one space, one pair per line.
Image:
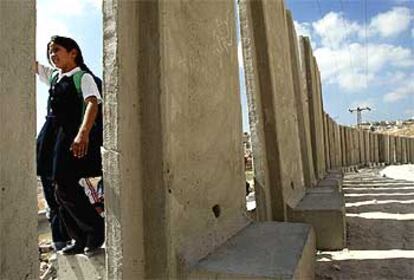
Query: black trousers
x=59 y=233
x=76 y=212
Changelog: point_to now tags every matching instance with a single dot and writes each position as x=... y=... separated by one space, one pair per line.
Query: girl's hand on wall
x=80 y=145
x=35 y=67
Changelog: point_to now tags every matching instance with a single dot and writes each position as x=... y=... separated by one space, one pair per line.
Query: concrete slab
x=269 y=250
x=332 y=181
x=267 y=62
x=302 y=105
x=80 y=267
x=325 y=211
x=18 y=213
x=169 y=200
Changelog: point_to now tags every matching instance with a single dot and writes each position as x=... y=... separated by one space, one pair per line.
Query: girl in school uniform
x=71 y=148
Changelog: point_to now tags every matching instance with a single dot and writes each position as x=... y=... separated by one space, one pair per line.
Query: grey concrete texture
x=81 y=267
x=393 y=158
x=367 y=147
x=376 y=147
x=361 y=142
x=384 y=148
x=331 y=181
x=173 y=159
x=338 y=151
x=326 y=141
x=355 y=150
x=265 y=27
x=315 y=107
x=411 y=149
x=18 y=206
x=325 y=211
x=269 y=250
x=348 y=145
x=343 y=146
x=404 y=150
x=302 y=104
x=372 y=147
x=398 y=149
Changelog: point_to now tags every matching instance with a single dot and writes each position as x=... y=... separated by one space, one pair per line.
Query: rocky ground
x=380 y=229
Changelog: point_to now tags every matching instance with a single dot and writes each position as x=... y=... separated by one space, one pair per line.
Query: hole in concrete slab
x=216 y=210
x=292 y=185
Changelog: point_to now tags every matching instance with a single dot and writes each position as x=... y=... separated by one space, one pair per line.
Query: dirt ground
x=380 y=230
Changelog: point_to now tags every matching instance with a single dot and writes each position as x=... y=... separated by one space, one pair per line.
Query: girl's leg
x=59 y=234
x=79 y=216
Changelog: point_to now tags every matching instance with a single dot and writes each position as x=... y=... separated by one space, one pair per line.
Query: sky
x=78 y=19
x=364 y=49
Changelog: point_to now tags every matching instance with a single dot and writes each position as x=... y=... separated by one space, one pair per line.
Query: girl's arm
x=43 y=71
x=79 y=146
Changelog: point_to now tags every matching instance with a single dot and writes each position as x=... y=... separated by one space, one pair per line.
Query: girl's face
x=61 y=58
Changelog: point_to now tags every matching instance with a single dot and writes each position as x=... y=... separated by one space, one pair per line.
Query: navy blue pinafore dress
x=65 y=115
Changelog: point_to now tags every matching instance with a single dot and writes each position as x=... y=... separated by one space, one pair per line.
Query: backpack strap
x=77 y=79
x=53 y=77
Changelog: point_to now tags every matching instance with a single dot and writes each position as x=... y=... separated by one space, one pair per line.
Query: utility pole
x=359 y=113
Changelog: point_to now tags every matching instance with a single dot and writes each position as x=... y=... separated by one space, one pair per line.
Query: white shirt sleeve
x=44 y=73
x=89 y=87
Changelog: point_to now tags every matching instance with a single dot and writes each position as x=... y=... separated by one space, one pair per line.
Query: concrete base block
x=336 y=172
x=268 y=250
x=80 y=267
x=325 y=211
x=334 y=182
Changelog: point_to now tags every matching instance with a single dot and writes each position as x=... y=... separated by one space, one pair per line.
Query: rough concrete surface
x=325 y=211
x=302 y=106
x=268 y=250
x=315 y=108
x=81 y=267
x=173 y=159
x=18 y=213
x=268 y=33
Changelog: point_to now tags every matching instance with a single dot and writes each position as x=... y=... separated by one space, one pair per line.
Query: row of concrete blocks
x=346 y=146
x=174 y=208
x=262 y=250
x=311 y=214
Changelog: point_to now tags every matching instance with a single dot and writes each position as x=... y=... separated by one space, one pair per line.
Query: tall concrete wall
x=411 y=146
x=398 y=149
x=18 y=206
x=361 y=142
x=302 y=105
x=384 y=148
x=393 y=156
x=315 y=108
x=264 y=28
x=404 y=150
x=326 y=141
x=367 y=147
x=173 y=158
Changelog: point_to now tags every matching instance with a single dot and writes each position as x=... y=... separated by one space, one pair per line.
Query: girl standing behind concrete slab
x=74 y=151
